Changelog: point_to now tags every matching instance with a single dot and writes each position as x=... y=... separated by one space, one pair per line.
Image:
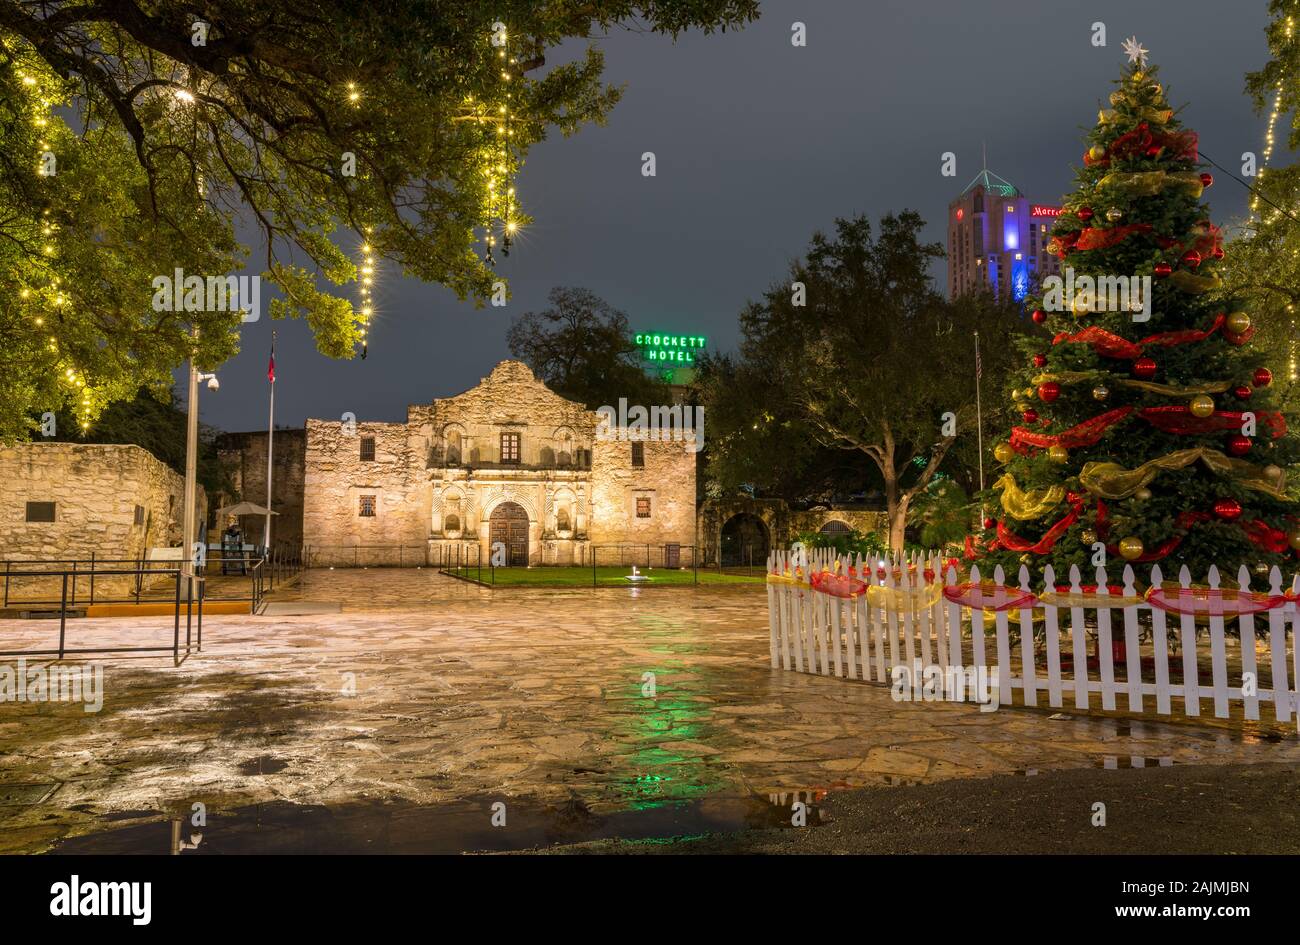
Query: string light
x=1270 y=129
x=365 y=290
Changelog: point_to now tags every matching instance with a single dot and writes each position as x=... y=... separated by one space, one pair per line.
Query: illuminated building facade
x=997 y=240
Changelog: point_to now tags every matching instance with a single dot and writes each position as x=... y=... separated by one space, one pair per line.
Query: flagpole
x=270 y=434
x=979 y=419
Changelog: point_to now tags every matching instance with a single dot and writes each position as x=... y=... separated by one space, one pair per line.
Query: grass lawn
x=605 y=576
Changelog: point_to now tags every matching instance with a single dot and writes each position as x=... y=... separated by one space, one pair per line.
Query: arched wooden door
x=509 y=525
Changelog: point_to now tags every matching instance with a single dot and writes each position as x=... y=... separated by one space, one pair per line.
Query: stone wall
x=439 y=477
x=667 y=480
x=244 y=456
x=116 y=501
x=780 y=522
x=336 y=479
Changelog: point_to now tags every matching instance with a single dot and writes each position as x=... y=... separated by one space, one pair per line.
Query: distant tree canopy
x=134 y=136
x=582 y=348
x=868 y=359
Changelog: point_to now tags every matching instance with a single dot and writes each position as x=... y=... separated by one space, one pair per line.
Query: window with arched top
x=562 y=519
x=452 y=438
x=451 y=525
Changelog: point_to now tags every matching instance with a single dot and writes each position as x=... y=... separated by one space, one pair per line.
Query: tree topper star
x=1135 y=51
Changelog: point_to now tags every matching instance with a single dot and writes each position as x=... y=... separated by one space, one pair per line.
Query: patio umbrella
x=244 y=508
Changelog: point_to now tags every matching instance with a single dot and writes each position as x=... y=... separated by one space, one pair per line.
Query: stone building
x=508 y=462
x=244 y=457
x=69 y=500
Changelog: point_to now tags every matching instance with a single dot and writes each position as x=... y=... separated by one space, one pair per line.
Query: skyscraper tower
x=997 y=239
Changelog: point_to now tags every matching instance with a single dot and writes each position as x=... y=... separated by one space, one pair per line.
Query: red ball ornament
x=1085 y=214
x=1073 y=498
x=1030 y=416
x=1227 y=509
x=1238 y=445
x=1262 y=377
x=1191 y=258
x=1039 y=316
x=989 y=523
x=1154 y=151
x=1218 y=252
x=1049 y=392
x=1241 y=392
x=1162 y=269
x=1144 y=368
x=1040 y=360
x=1207 y=179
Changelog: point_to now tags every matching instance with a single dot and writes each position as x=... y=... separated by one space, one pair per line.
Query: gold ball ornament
x=1293 y=539
x=1131 y=548
x=1058 y=454
x=1087 y=536
x=1142 y=495
x=1114 y=214
x=1272 y=473
x=1202 y=405
x=1081 y=304
x=1237 y=322
x=1096 y=152
x=1003 y=453
x=1100 y=392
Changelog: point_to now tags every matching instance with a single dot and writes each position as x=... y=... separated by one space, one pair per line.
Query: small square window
x=642 y=508
x=367 y=449
x=638 y=454
x=40 y=511
x=367 y=508
x=139 y=515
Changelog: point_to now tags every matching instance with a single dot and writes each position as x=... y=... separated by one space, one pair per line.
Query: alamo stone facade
x=508 y=463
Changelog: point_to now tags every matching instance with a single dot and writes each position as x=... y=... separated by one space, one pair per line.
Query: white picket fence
x=865 y=636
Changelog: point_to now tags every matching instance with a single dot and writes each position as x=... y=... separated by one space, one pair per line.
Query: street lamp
x=191 y=465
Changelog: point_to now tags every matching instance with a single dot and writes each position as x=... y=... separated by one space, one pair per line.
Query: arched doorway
x=744 y=541
x=509 y=525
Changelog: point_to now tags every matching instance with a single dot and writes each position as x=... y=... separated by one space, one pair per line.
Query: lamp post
x=191 y=464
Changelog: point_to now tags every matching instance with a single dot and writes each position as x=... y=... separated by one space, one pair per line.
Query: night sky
x=759 y=144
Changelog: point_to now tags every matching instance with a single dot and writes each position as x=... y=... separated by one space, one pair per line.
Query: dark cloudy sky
x=758 y=144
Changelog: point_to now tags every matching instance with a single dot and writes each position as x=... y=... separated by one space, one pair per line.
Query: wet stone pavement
x=398 y=722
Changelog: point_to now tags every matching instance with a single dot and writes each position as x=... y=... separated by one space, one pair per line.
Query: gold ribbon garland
x=1026 y=506
x=1191 y=283
x=1113 y=481
x=1150 y=387
x=1150 y=183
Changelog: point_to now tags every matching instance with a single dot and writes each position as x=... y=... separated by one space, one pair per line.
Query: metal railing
x=367 y=556
x=192 y=603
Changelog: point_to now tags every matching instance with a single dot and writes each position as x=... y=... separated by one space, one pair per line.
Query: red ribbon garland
x=1182 y=144
x=1103 y=238
x=1013 y=542
x=1109 y=345
x=1178 y=419
x=1082 y=434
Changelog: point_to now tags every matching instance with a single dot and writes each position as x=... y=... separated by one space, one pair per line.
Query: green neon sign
x=661 y=347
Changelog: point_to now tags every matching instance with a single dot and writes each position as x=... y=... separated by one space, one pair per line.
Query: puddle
x=263 y=764
x=457 y=827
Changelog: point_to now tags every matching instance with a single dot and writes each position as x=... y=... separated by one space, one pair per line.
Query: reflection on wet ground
x=465 y=826
x=425 y=691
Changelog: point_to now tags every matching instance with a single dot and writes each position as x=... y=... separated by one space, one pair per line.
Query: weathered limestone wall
x=438 y=478
x=336 y=478
x=861 y=520
x=244 y=456
x=667 y=480
x=96 y=489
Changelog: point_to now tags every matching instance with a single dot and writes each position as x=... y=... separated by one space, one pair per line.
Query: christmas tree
x=1145 y=420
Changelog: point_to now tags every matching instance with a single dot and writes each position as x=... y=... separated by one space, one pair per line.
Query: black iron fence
x=191 y=601
x=97 y=580
x=369 y=556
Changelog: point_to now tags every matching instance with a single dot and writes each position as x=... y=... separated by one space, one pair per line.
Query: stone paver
x=461 y=692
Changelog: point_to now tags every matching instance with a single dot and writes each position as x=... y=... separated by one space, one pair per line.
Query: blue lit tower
x=997 y=239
